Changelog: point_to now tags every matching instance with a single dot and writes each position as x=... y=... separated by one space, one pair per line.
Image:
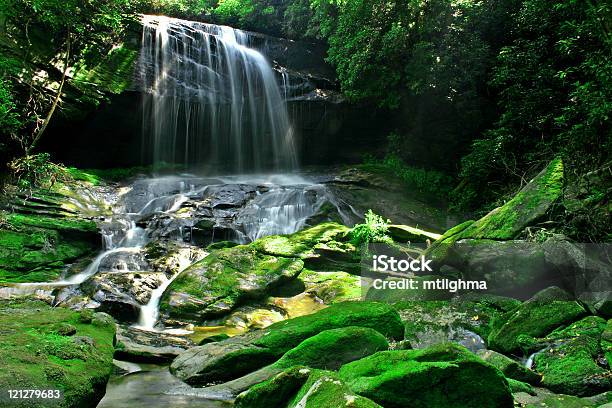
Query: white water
x=210 y=98
x=149 y=313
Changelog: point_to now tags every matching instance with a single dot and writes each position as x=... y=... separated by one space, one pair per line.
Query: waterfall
x=211 y=99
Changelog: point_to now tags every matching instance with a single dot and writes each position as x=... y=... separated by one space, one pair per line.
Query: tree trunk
x=55 y=101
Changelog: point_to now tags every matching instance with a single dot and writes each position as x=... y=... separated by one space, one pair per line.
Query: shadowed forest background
x=481 y=94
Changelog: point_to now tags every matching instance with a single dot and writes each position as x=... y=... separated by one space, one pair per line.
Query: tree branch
x=41 y=131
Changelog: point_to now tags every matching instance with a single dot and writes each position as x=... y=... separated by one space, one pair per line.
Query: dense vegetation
x=494 y=89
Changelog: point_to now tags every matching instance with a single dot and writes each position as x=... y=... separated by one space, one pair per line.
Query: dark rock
x=546 y=311
x=148 y=347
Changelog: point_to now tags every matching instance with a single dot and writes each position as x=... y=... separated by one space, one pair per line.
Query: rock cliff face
x=327 y=128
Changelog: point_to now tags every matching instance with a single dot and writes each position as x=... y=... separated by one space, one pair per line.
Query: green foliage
x=37 y=171
x=374 y=229
x=233 y=11
x=40 y=40
x=555 y=94
x=431 y=182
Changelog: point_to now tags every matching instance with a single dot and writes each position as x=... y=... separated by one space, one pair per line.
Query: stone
x=509 y=367
x=547 y=310
x=223 y=279
x=239 y=355
x=529 y=205
x=143 y=346
x=444 y=375
x=569 y=365
x=301 y=386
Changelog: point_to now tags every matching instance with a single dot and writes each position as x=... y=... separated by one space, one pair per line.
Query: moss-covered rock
x=461 y=319
x=525 y=208
x=445 y=375
x=36 y=352
x=332 y=348
x=275 y=392
x=325 y=389
x=570 y=364
x=506 y=222
x=511 y=368
x=225 y=278
x=36 y=248
x=329 y=349
x=547 y=310
x=234 y=357
x=300 y=386
x=231 y=275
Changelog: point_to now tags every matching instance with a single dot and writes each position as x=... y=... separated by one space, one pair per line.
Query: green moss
x=301 y=243
x=303 y=387
x=276 y=391
x=510 y=368
x=526 y=207
x=331 y=348
x=444 y=375
x=537 y=317
x=569 y=365
x=34 y=355
x=240 y=355
x=519 y=386
x=325 y=389
x=35 y=248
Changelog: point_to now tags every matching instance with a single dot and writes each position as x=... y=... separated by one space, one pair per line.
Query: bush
x=37 y=171
x=374 y=229
x=425 y=181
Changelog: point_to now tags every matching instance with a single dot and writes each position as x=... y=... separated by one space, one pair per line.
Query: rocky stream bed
x=183 y=290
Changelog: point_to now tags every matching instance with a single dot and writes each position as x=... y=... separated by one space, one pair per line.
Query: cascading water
x=210 y=99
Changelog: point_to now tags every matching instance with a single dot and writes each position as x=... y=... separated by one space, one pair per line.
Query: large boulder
x=37 y=248
x=445 y=375
x=301 y=386
x=223 y=279
x=49 y=348
x=229 y=276
x=509 y=367
x=234 y=357
x=507 y=222
x=329 y=350
x=570 y=364
x=525 y=208
x=547 y=310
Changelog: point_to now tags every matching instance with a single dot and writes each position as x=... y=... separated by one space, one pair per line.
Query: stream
x=179 y=215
